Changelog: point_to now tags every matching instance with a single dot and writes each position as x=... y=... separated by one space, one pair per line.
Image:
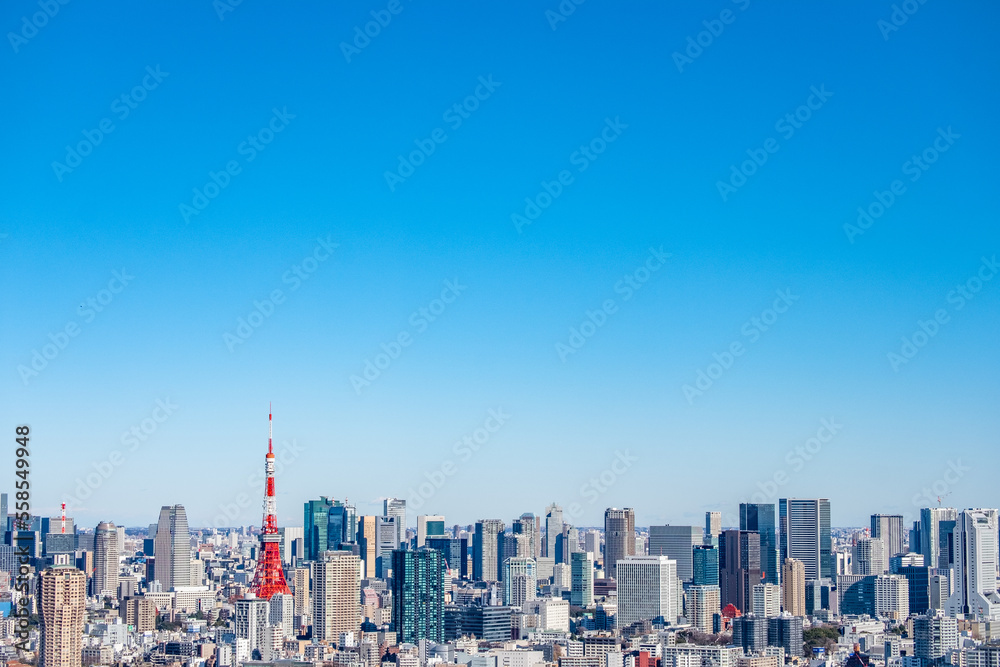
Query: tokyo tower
x=269 y=578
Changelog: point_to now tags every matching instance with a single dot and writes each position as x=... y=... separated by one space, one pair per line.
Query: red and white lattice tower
x=269 y=578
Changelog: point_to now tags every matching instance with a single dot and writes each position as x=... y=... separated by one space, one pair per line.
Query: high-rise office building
x=368 y=545
x=316 y=522
x=335 y=595
x=105 y=581
x=648 y=589
x=759 y=517
x=454 y=551
x=868 y=556
x=703 y=603
x=429 y=525
x=396 y=507
x=677 y=543
x=713 y=528
x=705 y=565
x=889 y=529
x=62 y=599
x=739 y=567
x=793 y=583
x=804 y=534
x=520 y=581
x=581 y=579
x=619 y=537
x=172 y=548
x=976 y=562
x=919 y=585
x=418 y=595
x=936 y=526
x=487 y=548
x=553 y=530
x=386 y=541
x=527 y=525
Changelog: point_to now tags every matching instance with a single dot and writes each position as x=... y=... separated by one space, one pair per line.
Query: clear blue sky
x=495 y=345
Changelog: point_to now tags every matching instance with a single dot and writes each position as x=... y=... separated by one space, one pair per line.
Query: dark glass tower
x=760 y=518
x=418 y=595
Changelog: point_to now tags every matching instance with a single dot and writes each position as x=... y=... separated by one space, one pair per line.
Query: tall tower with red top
x=269 y=578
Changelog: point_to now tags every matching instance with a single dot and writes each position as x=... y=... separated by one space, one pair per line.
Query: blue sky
x=494 y=346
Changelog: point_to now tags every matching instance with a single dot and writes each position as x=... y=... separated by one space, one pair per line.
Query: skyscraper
x=976 y=562
x=553 y=528
x=647 y=590
x=739 y=567
x=487 y=548
x=396 y=508
x=386 y=541
x=868 y=556
x=793 y=582
x=581 y=579
x=527 y=525
x=804 y=535
x=619 y=537
x=62 y=598
x=418 y=595
x=520 y=581
x=105 y=581
x=316 y=522
x=172 y=548
x=677 y=543
x=936 y=526
x=713 y=527
x=704 y=565
x=429 y=525
x=454 y=553
x=368 y=544
x=335 y=595
x=889 y=529
x=759 y=517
